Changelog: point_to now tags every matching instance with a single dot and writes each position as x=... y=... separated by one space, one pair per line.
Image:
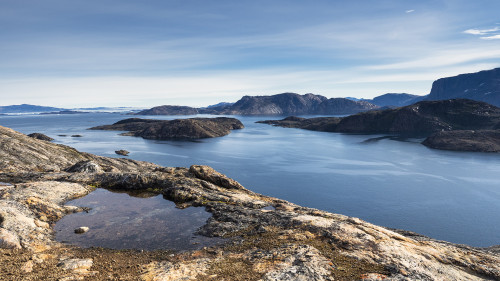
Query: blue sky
x=146 y=53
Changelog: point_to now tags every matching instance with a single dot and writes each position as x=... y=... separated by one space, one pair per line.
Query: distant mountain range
x=395 y=100
x=481 y=86
x=280 y=104
x=27 y=108
x=30 y=109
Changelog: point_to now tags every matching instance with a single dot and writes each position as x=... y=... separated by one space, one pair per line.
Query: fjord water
x=452 y=196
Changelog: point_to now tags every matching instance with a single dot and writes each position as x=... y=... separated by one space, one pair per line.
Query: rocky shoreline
x=465 y=140
x=267 y=238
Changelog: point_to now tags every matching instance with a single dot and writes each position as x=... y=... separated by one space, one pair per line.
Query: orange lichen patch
x=44 y=210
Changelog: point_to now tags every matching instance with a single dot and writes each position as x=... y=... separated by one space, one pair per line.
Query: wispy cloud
x=481 y=31
x=443 y=58
x=493 y=37
x=410 y=11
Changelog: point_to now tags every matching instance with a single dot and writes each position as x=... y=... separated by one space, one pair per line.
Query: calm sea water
x=453 y=196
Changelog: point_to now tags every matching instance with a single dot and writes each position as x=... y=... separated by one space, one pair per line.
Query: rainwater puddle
x=120 y=220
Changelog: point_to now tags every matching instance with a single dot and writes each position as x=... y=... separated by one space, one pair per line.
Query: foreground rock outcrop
x=266 y=238
x=192 y=128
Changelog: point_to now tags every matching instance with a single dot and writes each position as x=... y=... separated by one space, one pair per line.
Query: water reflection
x=139 y=220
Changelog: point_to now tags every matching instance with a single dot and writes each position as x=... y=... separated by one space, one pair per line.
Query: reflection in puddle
x=133 y=221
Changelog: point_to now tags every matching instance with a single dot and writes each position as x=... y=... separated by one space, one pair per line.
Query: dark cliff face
x=169 y=110
x=294 y=104
x=193 y=128
x=421 y=119
x=480 y=86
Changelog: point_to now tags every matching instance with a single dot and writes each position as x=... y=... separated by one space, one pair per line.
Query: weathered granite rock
x=81 y=229
x=20 y=153
x=465 y=140
x=9 y=240
x=40 y=136
x=76 y=264
x=122 y=152
x=85 y=167
x=306 y=263
x=168 y=271
x=193 y=128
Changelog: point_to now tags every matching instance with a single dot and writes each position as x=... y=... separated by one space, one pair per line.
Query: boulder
x=87 y=166
x=122 y=152
x=8 y=240
x=40 y=136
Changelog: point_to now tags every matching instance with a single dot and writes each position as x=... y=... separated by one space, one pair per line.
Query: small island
x=178 y=129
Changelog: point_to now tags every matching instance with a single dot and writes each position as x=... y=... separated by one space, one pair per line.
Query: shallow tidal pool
x=124 y=220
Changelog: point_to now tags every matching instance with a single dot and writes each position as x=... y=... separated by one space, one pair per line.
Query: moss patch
x=231 y=269
x=343 y=268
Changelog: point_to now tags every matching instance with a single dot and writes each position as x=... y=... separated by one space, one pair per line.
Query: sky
x=83 y=53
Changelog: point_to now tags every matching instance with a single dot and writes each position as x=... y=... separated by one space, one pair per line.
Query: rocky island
x=266 y=238
x=418 y=120
x=192 y=128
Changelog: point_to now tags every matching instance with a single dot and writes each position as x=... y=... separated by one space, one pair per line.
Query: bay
x=452 y=196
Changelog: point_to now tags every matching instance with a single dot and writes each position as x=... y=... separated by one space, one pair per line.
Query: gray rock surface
x=9 y=240
x=87 y=166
